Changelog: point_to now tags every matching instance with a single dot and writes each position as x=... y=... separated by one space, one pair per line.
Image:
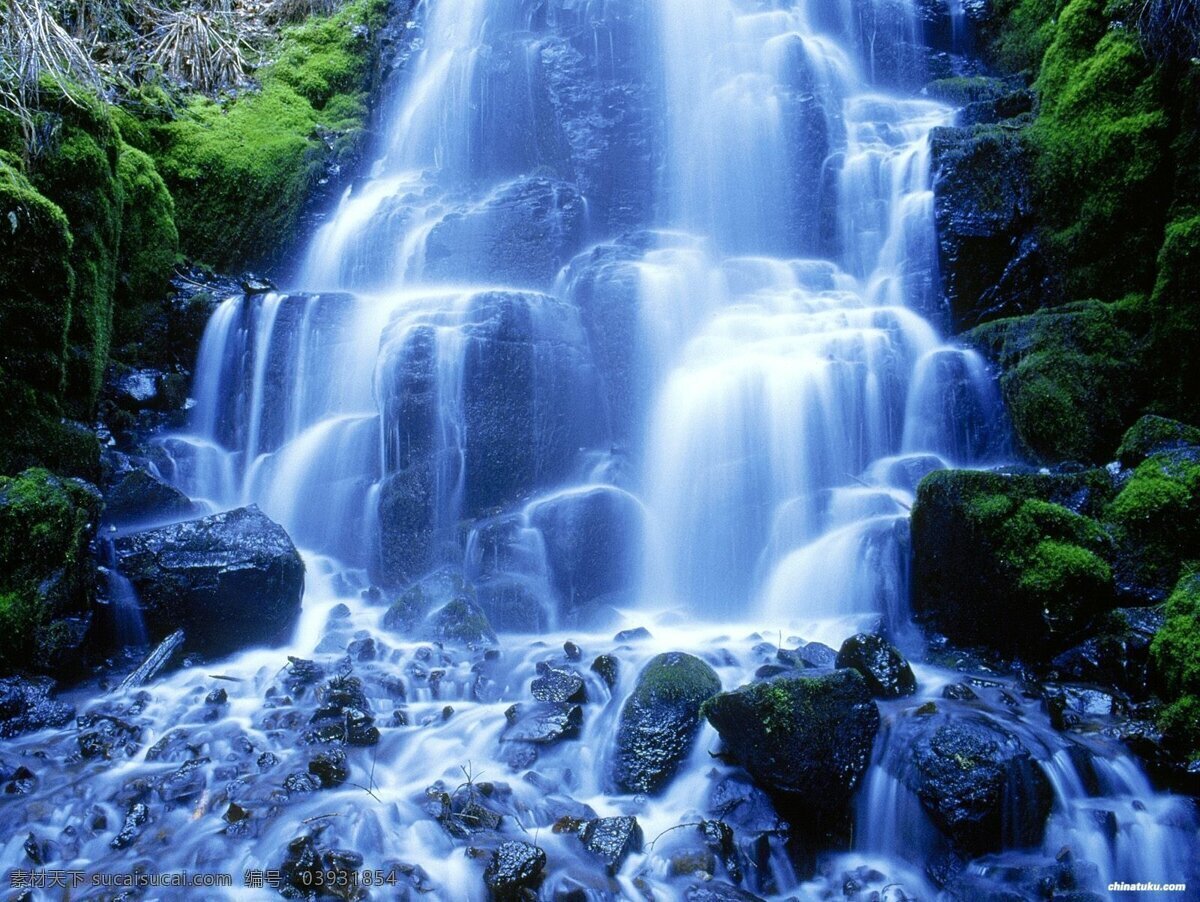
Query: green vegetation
x=1026 y=31
x=1156 y=517
x=1071 y=376
x=242 y=171
x=675 y=678
x=46 y=524
x=1176 y=655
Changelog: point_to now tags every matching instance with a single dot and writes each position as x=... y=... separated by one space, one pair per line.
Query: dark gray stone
x=230 y=581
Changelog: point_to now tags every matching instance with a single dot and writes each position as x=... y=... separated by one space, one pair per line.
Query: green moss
x=963 y=90
x=1152 y=434
x=149 y=244
x=674 y=678
x=1072 y=376
x=1102 y=136
x=79 y=173
x=1176 y=656
x=36 y=284
x=1175 y=304
x=1157 y=517
x=46 y=524
x=241 y=173
x=1027 y=29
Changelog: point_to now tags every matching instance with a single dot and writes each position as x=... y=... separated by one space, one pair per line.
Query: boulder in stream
x=514 y=871
x=230 y=581
x=806 y=740
x=660 y=720
x=887 y=674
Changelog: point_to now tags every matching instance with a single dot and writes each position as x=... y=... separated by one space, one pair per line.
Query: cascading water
x=632 y=323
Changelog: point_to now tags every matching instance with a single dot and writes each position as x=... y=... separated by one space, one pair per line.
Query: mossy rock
x=1027 y=28
x=1154 y=434
x=1175 y=306
x=1102 y=135
x=805 y=740
x=1001 y=560
x=242 y=172
x=1156 y=518
x=46 y=570
x=37 y=282
x=1176 y=656
x=660 y=720
x=78 y=172
x=1072 y=376
x=149 y=245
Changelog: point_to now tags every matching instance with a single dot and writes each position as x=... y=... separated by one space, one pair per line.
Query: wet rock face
x=514 y=870
x=660 y=720
x=887 y=674
x=979 y=783
x=806 y=740
x=230 y=581
x=141 y=497
x=990 y=261
x=612 y=840
x=27 y=705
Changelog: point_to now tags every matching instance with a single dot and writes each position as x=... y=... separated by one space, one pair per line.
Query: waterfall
x=633 y=322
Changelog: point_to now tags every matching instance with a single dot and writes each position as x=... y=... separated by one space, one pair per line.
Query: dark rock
x=612 y=840
x=299 y=784
x=887 y=674
x=407 y=612
x=27 y=705
x=990 y=262
x=735 y=800
x=817 y=655
x=1118 y=654
x=463 y=813
x=572 y=651
x=135 y=818
x=606 y=667
x=978 y=782
x=660 y=720
x=545 y=724
x=344 y=715
x=307 y=866
x=217 y=696
x=185 y=783
x=806 y=740
x=515 y=869
x=330 y=768
x=106 y=736
x=141 y=497
x=637 y=634
x=593 y=542
x=229 y=581
x=557 y=685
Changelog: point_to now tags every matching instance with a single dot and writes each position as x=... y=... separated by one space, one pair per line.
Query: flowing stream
x=634 y=322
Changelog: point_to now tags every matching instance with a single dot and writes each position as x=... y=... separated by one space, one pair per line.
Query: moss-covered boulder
x=660 y=720
x=1102 y=136
x=78 y=172
x=1072 y=376
x=149 y=246
x=46 y=568
x=243 y=171
x=1012 y=561
x=37 y=282
x=805 y=740
x=1176 y=656
x=1153 y=435
x=1175 y=306
x=1156 y=520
